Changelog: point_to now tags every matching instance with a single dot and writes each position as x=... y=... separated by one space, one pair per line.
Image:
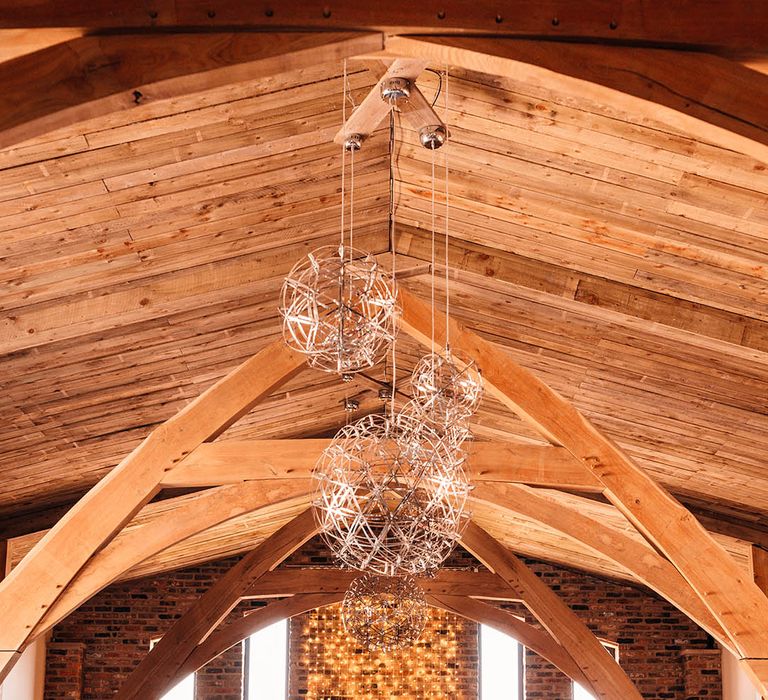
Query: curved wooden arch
x=463 y=605
x=234 y=633
x=161 y=665
x=41 y=577
x=644 y=563
x=97 y=75
x=135 y=545
x=738 y=25
x=703 y=95
x=604 y=675
x=736 y=602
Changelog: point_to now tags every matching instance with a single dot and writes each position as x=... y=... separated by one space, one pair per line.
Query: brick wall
x=92 y=652
x=662 y=651
x=99 y=644
x=326 y=663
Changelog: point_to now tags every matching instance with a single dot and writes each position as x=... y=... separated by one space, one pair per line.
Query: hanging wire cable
x=432 y=258
x=447 y=210
x=392 y=242
x=343 y=154
x=351 y=200
x=439 y=84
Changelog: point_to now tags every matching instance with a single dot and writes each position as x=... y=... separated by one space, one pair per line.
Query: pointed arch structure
x=92 y=545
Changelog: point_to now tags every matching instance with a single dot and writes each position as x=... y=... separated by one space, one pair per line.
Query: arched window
x=266 y=663
x=502 y=672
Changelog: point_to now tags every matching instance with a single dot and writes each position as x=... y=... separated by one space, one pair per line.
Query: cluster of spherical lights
x=384 y=613
x=391 y=490
x=339 y=308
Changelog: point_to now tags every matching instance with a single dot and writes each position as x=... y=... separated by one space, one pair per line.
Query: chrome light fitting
x=391 y=495
x=383 y=613
x=397 y=90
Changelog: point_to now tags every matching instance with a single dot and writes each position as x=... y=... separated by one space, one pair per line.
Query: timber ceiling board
x=620 y=260
x=623 y=262
x=141 y=256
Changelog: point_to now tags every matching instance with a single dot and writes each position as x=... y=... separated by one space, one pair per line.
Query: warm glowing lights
x=382 y=612
x=333 y=665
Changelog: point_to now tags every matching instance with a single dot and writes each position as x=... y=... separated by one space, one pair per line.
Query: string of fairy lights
x=334 y=665
x=392 y=489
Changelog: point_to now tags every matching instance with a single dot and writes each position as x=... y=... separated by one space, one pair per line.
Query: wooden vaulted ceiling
x=620 y=259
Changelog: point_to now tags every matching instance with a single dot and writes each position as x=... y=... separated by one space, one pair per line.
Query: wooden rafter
x=606 y=678
x=738 y=604
x=701 y=94
x=536 y=640
x=759 y=563
x=134 y=545
x=153 y=675
x=298 y=581
x=96 y=75
x=737 y=25
x=212 y=464
x=28 y=592
x=643 y=562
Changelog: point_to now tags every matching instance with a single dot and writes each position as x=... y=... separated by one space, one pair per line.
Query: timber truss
x=96 y=543
x=107 y=533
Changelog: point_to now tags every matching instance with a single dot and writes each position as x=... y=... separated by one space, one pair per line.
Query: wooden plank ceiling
x=141 y=256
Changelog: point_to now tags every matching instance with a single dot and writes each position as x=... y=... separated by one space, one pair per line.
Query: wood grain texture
x=233 y=461
x=647 y=565
x=759 y=561
x=369 y=114
x=701 y=94
x=604 y=676
x=620 y=259
x=166 y=525
x=736 y=603
x=295 y=581
x=91 y=76
x=33 y=587
x=738 y=25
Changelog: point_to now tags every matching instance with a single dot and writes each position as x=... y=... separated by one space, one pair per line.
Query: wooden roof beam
x=735 y=25
x=174 y=524
x=97 y=75
x=704 y=95
x=212 y=464
x=606 y=678
x=291 y=581
x=373 y=109
x=640 y=560
x=29 y=591
x=737 y=604
x=162 y=664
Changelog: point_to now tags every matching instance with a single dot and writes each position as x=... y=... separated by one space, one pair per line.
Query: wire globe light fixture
x=384 y=613
x=339 y=308
x=444 y=390
x=391 y=495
